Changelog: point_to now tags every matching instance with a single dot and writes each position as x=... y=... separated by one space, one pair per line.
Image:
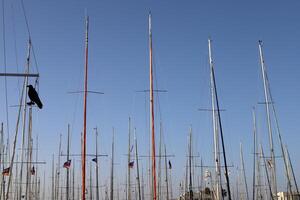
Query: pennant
x=67 y=164
x=32 y=171
x=170 y=165
x=5 y=171
x=131 y=164
x=95 y=160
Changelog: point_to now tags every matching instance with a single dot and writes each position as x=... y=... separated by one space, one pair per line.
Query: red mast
x=83 y=156
x=152 y=112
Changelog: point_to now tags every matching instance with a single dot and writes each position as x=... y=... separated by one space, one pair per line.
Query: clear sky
x=118 y=66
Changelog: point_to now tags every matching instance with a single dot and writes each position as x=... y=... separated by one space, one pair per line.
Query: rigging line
x=4 y=62
x=15 y=42
x=29 y=34
x=156 y=86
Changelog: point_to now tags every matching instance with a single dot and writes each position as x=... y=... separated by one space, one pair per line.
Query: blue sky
x=118 y=66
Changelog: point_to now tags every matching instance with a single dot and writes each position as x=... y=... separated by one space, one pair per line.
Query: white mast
x=267 y=101
x=215 y=129
x=243 y=171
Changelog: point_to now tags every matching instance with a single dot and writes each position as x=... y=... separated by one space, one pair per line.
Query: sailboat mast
x=243 y=171
x=159 y=196
x=68 y=158
x=219 y=119
x=266 y=170
x=137 y=166
x=190 y=166
x=292 y=169
x=152 y=113
x=23 y=123
x=128 y=164
x=97 y=167
x=83 y=156
x=52 y=179
x=215 y=132
x=254 y=154
x=112 y=168
x=267 y=101
x=91 y=182
x=166 y=168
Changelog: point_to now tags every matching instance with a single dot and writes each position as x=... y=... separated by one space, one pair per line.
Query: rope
x=29 y=34
x=15 y=42
x=4 y=62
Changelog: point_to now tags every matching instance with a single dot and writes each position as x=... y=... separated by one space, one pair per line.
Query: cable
x=4 y=62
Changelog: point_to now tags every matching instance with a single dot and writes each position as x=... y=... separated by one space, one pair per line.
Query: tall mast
x=91 y=182
x=73 y=181
x=44 y=186
x=137 y=166
x=52 y=185
x=266 y=170
x=57 y=185
x=37 y=194
x=201 y=177
x=83 y=156
x=68 y=158
x=23 y=123
x=190 y=166
x=243 y=171
x=166 y=167
x=215 y=129
x=291 y=166
x=128 y=164
x=219 y=118
x=97 y=168
x=267 y=101
x=254 y=155
x=143 y=192
x=2 y=161
x=112 y=168
x=29 y=157
x=152 y=114
x=159 y=196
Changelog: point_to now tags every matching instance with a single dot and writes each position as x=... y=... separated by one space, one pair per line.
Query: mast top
x=150 y=24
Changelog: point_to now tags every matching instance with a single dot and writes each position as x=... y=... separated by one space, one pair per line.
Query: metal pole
x=254 y=154
x=152 y=113
x=137 y=166
x=68 y=158
x=243 y=170
x=83 y=157
x=128 y=156
x=97 y=168
x=267 y=101
x=220 y=123
x=166 y=166
x=112 y=168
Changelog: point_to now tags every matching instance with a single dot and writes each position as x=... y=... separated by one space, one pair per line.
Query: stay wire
x=4 y=62
x=29 y=34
